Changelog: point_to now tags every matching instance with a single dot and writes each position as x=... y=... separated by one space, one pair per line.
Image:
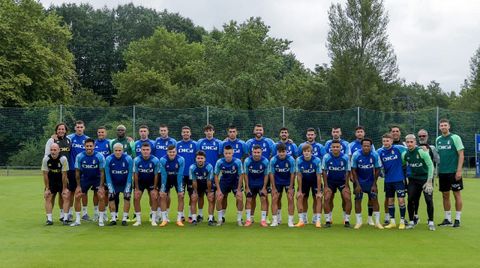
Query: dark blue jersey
x=119 y=172
x=282 y=169
x=336 y=167
x=138 y=147
x=256 y=170
x=171 y=168
x=211 y=147
x=187 y=150
x=77 y=147
x=146 y=168
x=318 y=150
x=266 y=144
x=309 y=169
x=103 y=147
x=161 y=145
x=240 y=148
x=291 y=148
x=228 y=171
x=392 y=162
x=90 y=165
x=365 y=165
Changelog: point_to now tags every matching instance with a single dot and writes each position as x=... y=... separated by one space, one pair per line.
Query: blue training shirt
x=240 y=148
x=309 y=169
x=365 y=165
x=171 y=168
x=336 y=167
x=291 y=148
x=118 y=173
x=161 y=145
x=103 y=147
x=77 y=147
x=228 y=172
x=282 y=169
x=356 y=146
x=266 y=144
x=90 y=165
x=146 y=168
x=211 y=147
x=256 y=170
x=138 y=146
x=392 y=162
x=344 y=146
x=318 y=150
x=201 y=173
x=187 y=150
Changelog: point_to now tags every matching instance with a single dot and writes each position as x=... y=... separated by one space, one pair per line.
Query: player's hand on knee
x=194 y=196
x=154 y=194
x=374 y=188
x=239 y=194
x=219 y=194
x=264 y=191
x=319 y=195
x=299 y=194
x=47 y=193
x=163 y=194
x=210 y=196
x=65 y=193
x=137 y=193
x=181 y=195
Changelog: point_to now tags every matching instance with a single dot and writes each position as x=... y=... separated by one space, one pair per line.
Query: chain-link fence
x=25 y=130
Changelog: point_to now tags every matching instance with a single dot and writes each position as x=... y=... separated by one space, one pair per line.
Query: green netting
x=25 y=130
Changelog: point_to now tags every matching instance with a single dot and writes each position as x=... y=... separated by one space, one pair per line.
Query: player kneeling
x=201 y=174
x=90 y=174
x=228 y=178
x=282 y=178
x=145 y=171
x=171 y=169
x=309 y=180
x=336 y=169
x=365 y=169
x=256 y=180
x=118 y=173
x=55 y=169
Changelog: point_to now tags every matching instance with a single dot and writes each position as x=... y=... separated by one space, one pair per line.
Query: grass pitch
x=26 y=242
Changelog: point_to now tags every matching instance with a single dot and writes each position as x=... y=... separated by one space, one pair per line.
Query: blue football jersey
x=119 y=172
x=256 y=170
x=392 y=162
x=211 y=148
x=171 y=168
x=138 y=147
x=309 y=169
x=103 y=147
x=161 y=146
x=228 y=171
x=318 y=150
x=336 y=167
x=90 y=165
x=282 y=169
x=365 y=165
x=240 y=148
x=146 y=168
x=77 y=147
x=266 y=144
x=343 y=143
x=201 y=173
x=291 y=148
x=187 y=150
x=356 y=146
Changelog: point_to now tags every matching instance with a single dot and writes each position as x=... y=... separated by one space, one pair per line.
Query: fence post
x=133 y=122
x=61 y=113
x=283 y=116
x=436 y=123
x=358 y=115
x=208 y=115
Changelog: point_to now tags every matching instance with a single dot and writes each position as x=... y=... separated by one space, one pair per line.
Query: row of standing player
x=237 y=147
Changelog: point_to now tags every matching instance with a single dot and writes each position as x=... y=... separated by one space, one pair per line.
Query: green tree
x=363 y=63
x=158 y=68
x=35 y=64
x=469 y=97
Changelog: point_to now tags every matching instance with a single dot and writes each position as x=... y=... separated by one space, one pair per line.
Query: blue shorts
x=172 y=182
x=119 y=188
x=309 y=186
x=282 y=187
x=228 y=186
x=395 y=187
x=254 y=190
x=202 y=187
x=334 y=185
x=89 y=184
x=145 y=184
x=366 y=188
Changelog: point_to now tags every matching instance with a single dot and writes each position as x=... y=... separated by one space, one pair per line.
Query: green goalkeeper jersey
x=448 y=147
x=419 y=163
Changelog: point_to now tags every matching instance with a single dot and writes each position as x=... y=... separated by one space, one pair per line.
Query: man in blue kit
x=102 y=145
x=187 y=148
x=162 y=142
x=289 y=144
x=210 y=145
x=336 y=170
x=228 y=178
x=337 y=136
x=392 y=157
x=365 y=169
x=201 y=174
x=240 y=149
x=282 y=178
x=318 y=150
x=145 y=171
x=90 y=174
x=171 y=170
x=256 y=180
x=118 y=174
x=143 y=132
x=309 y=170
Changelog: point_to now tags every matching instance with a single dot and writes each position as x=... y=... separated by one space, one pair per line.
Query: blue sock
x=402 y=211
x=391 y=211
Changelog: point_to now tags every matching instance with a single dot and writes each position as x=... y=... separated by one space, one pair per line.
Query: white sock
x=61 y=213
x=77 y=217
x=264 y=215
x=154 y=216
x=239 y=215
x=290 y=218
x=200 y=212
x=344 y=213
x=70 y=211
x=210 y=217
x=249 y=214
x=458 y=214
x=220 y=214
x=314 y=218
x=347 y=217
x=164 y=215
x=114 y=216
x=387 y=216
x=330 y=214
x=95 y=209
x=415 y=216
x=159 y=211
x=224 y=212
x=448 y=215
x=279 y=212
x=359 y=218
x=376 y=215
x=138 y=216
x=189 y=211
x=402 y=221
x=194 y=217
x=430 y=223
x=275 y=218
x=369 y=218
x=100 y=219
x=328 y=217
x=179 y=215
x=125 y=216
x=318 y=217
x=84 y=211
x=49 y=216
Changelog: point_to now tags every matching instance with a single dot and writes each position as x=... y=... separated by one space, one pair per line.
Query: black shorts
x=392 y=188
x=55 y=185
x=145 y=184
x=72 y=182
x=90 y=184
x=187 y=184
x=309 y=186
x=202 y=187
x=282 y=187
x=254 y=191
x=448 y=182
x=172 y=182
x=336 y=185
